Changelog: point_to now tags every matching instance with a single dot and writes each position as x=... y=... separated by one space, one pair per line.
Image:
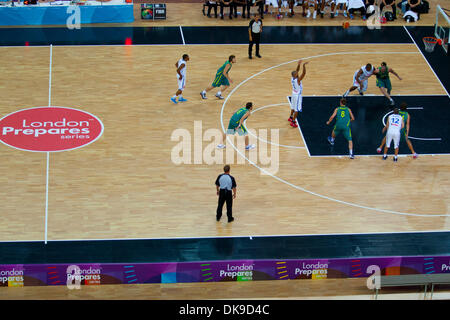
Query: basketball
x=345 y=25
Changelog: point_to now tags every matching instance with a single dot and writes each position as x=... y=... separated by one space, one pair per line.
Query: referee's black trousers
x=255 y=40
x=225 y=196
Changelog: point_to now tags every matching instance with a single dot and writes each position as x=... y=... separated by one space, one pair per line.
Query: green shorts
x=233 y=129
x=403 y=135
x=220 y=80
x=345 y=131
x=384 y=83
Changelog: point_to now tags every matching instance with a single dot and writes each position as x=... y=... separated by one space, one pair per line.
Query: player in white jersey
x=393 y=126
x=296 y=98
x=181 y=77
x=360 y=79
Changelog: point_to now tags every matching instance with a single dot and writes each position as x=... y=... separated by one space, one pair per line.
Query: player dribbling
x=360 y=79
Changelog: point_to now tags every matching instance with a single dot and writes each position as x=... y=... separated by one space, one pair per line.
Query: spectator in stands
x=240 y=3
x=415 y=6
x=389 y=4
x=371 y=7
x=211 y=4
x=226 y=3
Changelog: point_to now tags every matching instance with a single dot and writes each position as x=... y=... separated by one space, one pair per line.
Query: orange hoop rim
x=430 y=40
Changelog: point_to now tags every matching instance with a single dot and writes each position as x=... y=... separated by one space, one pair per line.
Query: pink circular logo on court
x=49 y=129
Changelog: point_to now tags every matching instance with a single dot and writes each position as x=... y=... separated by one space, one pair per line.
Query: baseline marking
x=298 y=187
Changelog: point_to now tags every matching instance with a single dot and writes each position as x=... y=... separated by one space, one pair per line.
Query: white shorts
x=296 y=102
x=364 y=83
x=181 y=83
x=393 y=136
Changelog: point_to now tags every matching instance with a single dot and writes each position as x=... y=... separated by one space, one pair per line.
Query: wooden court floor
x=126 y=184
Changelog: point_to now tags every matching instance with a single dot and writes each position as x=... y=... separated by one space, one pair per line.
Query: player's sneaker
x=345 y=14
x=174 y=100
x=331 y=141
x=415 y=155
x=203 y=94
x=219 y=96
x=336 y=13
x=308 y=14
x=360 y=92
x=314 y=14
x=351 y=16
x=384 y=157
x=221 y=146
x=364 y=18
x=392 y=102
x=378 y=150
x=182 y=99
x=294 y=124
x=290 y=119
x=321 y=14
x=395 y=159
x=250 y=147
x=352 y=156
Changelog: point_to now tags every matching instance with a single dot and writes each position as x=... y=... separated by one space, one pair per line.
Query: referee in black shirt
x=254 y=35
x=224 y=185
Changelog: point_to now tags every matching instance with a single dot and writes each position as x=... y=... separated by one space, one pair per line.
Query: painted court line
x=48 y=153
x=198 y=44
x=420 y=51
x=266 y=141
x=182 y=36
x=238 y=236
x=293 y=185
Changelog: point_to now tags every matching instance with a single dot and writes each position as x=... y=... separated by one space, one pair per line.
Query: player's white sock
x=219 y=93
x=351 y=151
x=204 y=91
x=175 y=97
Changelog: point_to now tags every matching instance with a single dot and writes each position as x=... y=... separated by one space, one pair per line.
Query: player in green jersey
x=236 y=125
x=222 y=79
x=343 y=116
x=383 y=81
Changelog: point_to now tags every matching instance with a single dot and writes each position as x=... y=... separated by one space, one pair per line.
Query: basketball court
x=126 y=184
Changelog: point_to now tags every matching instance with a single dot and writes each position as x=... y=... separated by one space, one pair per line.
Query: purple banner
x=212 y=271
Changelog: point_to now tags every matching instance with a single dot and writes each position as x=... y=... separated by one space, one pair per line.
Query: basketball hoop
x=430 y=43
